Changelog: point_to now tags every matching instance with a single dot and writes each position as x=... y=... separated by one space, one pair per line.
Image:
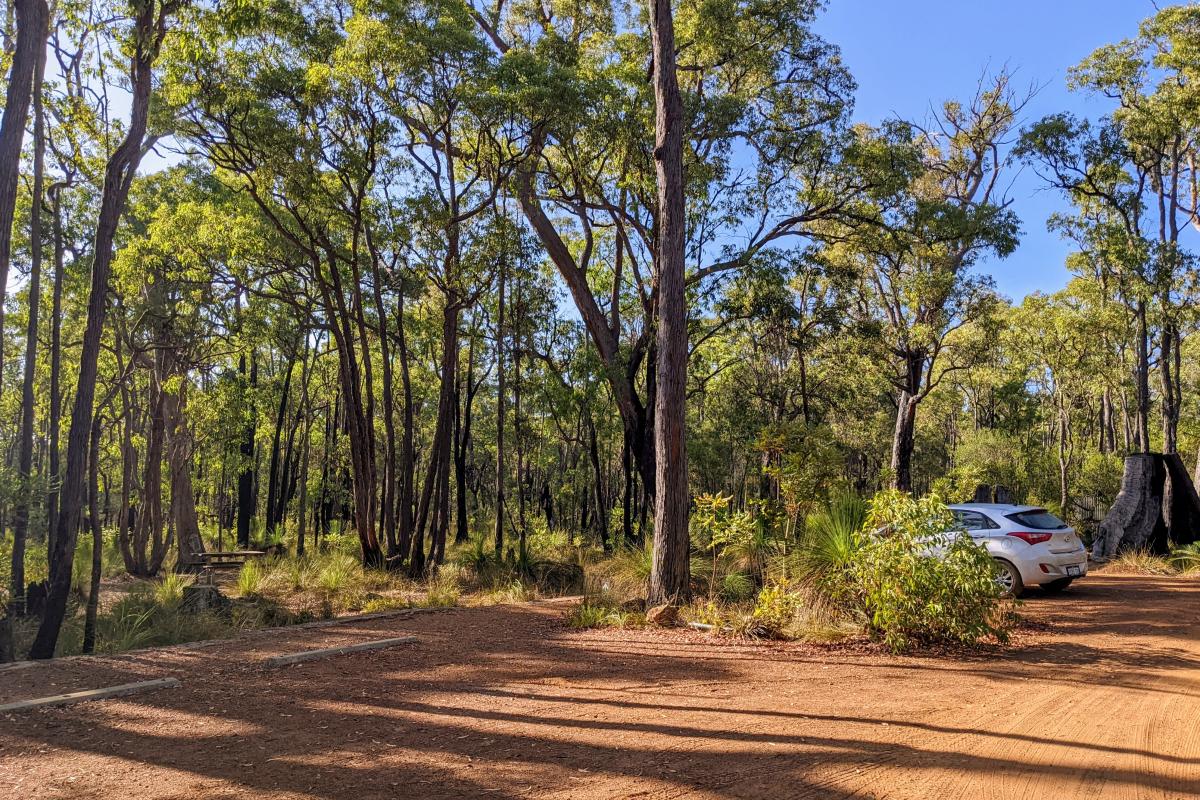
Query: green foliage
x=598 y=614
x=1185 y=558
x=830 y=542
x=250 y=578
x=168 y=592
x=912 y=596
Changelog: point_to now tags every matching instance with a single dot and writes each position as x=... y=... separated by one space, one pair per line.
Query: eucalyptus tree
x=149 y=21
x=262 y=98
x=437 y=88
x=32 y=18
x=918 y=286
x=1132 y=178
x=764 y=103
x=1055 y=336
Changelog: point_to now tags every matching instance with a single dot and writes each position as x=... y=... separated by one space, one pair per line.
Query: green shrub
x=773 y=615
x=912 y=596
x=831 y=537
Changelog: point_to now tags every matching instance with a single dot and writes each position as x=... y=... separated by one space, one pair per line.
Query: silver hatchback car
x=1031 y=546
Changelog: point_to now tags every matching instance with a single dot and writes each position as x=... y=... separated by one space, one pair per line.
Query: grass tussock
x=1140 y=562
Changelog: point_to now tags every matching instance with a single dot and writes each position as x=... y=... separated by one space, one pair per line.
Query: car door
x=978 y=526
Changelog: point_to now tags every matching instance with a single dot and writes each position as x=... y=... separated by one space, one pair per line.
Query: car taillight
x=1029 y=537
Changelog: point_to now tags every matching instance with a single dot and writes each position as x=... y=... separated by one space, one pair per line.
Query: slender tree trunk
x=404 y=508
x=1063 y=460
x=247 y=488
x=501 y=401
x=149 y=29
x=93 y=602
x=32 y=21
x=274 y=487
x=465 y=396
x=669 y=579
x=25 y=454
x=1142 y=377
x=1168 y=362
x=53 y=422
x=441 y=452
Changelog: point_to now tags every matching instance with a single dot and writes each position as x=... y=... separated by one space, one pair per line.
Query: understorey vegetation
x=887 y=569
x=462 y=300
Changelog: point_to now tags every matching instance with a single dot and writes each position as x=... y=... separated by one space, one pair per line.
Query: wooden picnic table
x=220 y=557
x=214 y=560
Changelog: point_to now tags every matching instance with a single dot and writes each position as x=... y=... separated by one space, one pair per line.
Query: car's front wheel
x=1009 y=579
x=1054 y=587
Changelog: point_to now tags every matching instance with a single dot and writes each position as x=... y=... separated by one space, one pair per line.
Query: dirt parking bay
x=1100 y=701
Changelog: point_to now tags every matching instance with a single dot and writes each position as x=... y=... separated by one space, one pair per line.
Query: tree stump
x=1181 y=504
x=204 y=597
x=1135 y=521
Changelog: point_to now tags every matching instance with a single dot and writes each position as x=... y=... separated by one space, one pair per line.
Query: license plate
x=1074 y=571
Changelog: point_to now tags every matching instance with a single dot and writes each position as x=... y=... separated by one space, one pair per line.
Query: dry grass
x=1139 y=562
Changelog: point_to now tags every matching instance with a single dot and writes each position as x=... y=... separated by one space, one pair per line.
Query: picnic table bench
x=214 y=560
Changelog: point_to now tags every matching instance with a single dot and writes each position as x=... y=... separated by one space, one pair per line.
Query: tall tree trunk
x=465 y=396
x=32 y=21
x=1168 y=364
x=93 y=602
x=274 y=487
x=25 y=452
x=149 y=29
x=903 y=441
x=1142 y=380
x=441 y=452
x=404 y=506
x=669 y=579
x=183 y=497
x=247 y=486
x=501 y=401
x=55 y=414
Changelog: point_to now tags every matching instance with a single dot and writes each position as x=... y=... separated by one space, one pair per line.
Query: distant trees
x=419 y=274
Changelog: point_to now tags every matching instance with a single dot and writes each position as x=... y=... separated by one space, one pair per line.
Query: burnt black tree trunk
x=247 y=494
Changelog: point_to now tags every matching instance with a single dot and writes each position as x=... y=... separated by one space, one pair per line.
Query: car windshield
x=1038 y=519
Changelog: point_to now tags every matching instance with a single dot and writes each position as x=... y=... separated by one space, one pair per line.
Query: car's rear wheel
x=1054 y=587
x=1009 y=579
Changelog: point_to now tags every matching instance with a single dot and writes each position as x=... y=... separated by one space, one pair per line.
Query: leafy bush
x=773 y=615
x=831 y=537
x=918 y=584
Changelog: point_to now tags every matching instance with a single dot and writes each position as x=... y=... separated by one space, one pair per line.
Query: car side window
x=973 y=521
x=988 y=523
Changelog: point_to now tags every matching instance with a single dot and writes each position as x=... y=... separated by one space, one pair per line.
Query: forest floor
x=1097 y=697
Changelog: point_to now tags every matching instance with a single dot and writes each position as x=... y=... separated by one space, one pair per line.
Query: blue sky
x=905 y=55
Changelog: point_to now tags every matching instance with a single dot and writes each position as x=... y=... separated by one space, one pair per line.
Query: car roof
x=1000 y=508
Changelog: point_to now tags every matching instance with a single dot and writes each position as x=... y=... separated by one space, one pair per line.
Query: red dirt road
x=1102 y=701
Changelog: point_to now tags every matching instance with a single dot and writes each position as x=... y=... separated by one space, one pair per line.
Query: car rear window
x=1039 y=519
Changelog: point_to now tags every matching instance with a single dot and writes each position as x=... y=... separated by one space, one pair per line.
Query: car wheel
x=1054 y=587
x=1009 y=579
